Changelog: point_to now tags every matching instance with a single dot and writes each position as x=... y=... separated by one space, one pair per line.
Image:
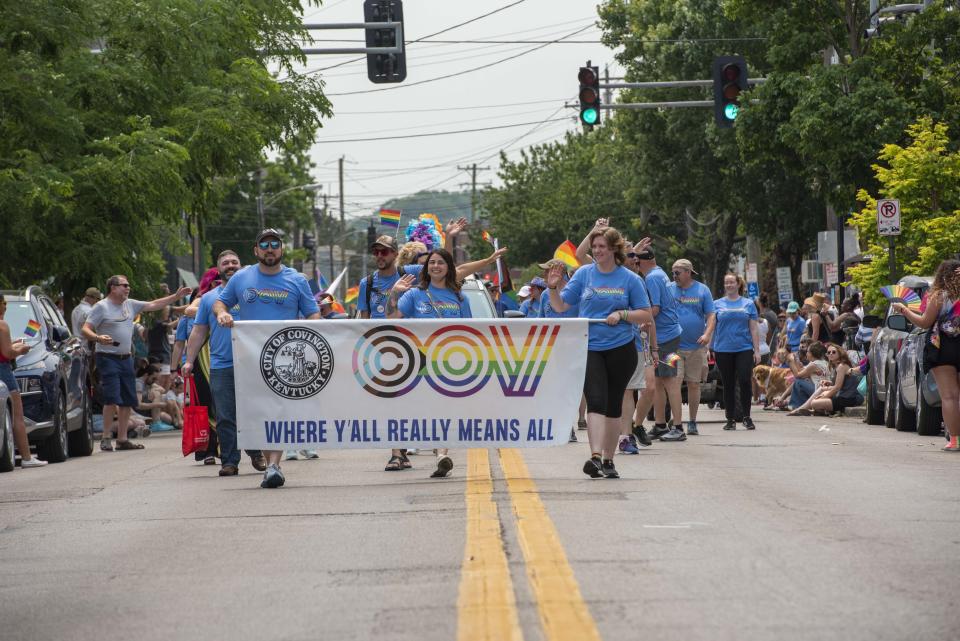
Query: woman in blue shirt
x=605 y=290
x=437 y=295
x=736 y=345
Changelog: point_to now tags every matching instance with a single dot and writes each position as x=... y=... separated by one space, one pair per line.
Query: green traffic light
x=589 y=116
x=731 y=111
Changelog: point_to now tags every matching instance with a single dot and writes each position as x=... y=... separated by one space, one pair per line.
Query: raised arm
x=929 y=316
x=583 y=249
x=466 y=269
x=160 y=303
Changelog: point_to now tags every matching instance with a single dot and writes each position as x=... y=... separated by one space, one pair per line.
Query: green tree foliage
x=925 y=177
x=103 y=155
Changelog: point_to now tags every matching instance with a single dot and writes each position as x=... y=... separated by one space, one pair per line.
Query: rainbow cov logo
x=456 y=360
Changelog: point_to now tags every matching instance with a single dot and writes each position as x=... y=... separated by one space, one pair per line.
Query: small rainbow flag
x=32 y=328
x=390 y=218
x=567 y=252
x=486 y=236
x=672 y=359
x=352 y=294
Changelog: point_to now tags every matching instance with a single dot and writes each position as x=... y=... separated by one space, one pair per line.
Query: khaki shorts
x=693 y=365
x=639 y=379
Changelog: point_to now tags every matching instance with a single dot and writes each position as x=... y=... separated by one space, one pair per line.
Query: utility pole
x=607 y=93
x=328 y=217
x=473 y=169
x=260 y=209
x=343 y=255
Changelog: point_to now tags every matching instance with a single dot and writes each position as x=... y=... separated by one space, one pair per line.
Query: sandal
x=800 y=411
x=127 y=445
x=405 y=460
x=395 y=464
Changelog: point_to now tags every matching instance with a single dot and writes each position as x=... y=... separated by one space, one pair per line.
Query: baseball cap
x=793 y=307
x=538 y=282
x=645 y=255
x=524 y=291
x=683 y=263
x=93 y=292
x=554 y=262
x=267 y=233
x=385 y=241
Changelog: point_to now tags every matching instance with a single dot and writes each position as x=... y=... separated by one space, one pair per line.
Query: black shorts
x=947 y=354
x=840 y=402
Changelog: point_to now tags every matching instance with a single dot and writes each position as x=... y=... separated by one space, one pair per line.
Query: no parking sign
x=888 y=217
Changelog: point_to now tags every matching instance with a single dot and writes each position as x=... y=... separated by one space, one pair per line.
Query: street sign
x=888 y=217
x=830 y=274
x=784 y=284
x=752 y=273
x=753 y=290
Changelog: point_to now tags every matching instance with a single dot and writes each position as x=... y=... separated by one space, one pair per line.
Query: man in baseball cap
x=697 y=323
x=79 y=314
x=387 y=242
x=531 y=307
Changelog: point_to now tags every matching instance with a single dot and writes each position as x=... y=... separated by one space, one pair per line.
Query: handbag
x=196 y=426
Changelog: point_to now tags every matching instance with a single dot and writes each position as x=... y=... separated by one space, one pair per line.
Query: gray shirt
x=78 y=316
x=117 y=321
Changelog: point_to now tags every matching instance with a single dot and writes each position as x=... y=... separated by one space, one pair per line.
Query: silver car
x=917 y=397
x=7 y=460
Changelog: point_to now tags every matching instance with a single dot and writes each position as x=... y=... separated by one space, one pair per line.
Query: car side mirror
x=512 y=313
x=60 y=334
x=898 y=322
x=871 y=322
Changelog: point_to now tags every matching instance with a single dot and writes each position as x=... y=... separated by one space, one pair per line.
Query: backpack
x=400 y=270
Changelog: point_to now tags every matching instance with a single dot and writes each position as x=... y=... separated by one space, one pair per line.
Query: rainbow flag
x=567 y=252
x=486 y=236
x=352 y=294
x=672 y=359
x=32 y=328
x=390 y=218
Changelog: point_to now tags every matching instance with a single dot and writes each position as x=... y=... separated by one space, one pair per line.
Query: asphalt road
x=788 y=532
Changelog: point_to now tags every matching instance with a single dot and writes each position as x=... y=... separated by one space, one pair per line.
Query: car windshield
x=479 y=303
x=19 y=313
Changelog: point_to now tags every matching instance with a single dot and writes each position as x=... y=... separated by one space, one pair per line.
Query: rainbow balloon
x=901 y=294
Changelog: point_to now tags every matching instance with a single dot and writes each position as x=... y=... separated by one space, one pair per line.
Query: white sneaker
x=309 y=454
x=33 y=462
x=291 y=455
x=412 y=451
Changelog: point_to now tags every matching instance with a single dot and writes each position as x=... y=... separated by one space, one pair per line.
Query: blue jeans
x=225 y=401
x=802 y=390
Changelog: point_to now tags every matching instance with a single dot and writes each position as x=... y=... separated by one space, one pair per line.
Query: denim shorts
x=7 y=377
x=117 y=380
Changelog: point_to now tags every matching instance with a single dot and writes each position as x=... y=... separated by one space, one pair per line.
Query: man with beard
x=221 y=369
x=374 y=289
x=266 y=291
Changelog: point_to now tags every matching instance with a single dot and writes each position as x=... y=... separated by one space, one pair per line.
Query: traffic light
x=589 y=78
x=385 y=67
x=729 y=81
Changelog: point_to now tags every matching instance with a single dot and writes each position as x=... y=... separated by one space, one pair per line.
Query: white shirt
x=78 y=316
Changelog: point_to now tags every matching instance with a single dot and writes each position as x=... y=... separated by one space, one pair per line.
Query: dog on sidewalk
x=774 y=381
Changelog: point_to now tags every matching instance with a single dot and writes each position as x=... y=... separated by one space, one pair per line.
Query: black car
x=54 y=377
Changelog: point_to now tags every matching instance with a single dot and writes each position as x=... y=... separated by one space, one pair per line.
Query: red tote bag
x=196 y=426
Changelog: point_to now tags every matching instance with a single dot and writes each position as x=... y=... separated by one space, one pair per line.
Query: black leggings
x=608 y=373
x=736 y=368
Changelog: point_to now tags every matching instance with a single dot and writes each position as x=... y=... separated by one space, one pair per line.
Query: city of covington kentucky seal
x=296 y=362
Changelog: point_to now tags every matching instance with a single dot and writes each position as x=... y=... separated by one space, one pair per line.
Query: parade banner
x=332 y=384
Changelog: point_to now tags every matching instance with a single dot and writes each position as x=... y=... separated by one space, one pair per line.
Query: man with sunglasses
x=268 y=290
x=110 y=326
x=698 y=321
x=375 y=288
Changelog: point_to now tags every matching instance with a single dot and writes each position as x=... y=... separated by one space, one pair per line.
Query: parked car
x=882 y=375
x=916 y=395
x=481 y=303
x=54 y=378
x=7 y=460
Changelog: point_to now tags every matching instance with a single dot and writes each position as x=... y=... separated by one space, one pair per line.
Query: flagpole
x=496 y=247
x=396 y=236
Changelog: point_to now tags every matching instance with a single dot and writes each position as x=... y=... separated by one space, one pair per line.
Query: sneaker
x=658 y=430
x=412 y=451
x=609 y=471
x=106 y=445
x=953 y=445
x=444 y=465
x=291 y=455
x=748 y=423
x=228 y=470
x=160 y=426
x=33 y=462
x=628 y=445
x=674 y=435
x=581 y=425
x=593 y=467
x=209 y=460
x=573 y=437
x=259 y=463
x=692 y=428
x=273 y=477
x=309 y=454
x=643 y=438
x=730 y=425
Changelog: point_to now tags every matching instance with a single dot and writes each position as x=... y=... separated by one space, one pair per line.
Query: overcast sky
x=378 y=170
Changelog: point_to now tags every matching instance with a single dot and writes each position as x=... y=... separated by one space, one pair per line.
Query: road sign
x=888 y=217
x=752 y=273
x=784 y=284
x=753 y=290
x=830 y=274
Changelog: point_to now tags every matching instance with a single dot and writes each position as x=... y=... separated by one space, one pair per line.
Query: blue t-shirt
x=600 y=294
x=694 y=304
x=505 y=303
x=733 y=324
x=667 y=320
x=795 y=329
x=282 y=296
x=547 y=311
x=531 y=308
x=221 y=348
x=381 y=289
x=433 y=302
x=184 y=327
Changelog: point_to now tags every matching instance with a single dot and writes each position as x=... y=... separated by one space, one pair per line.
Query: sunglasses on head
x=269 y=244
x=421 y=255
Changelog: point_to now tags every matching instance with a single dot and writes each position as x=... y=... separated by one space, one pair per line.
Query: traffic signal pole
x=665 y=84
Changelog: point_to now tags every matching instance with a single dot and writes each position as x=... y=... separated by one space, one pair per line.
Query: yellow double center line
x=487 y=607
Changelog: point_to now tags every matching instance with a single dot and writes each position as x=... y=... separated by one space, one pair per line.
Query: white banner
x=413 y=383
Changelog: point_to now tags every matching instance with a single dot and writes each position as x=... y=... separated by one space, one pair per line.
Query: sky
x=544 y=80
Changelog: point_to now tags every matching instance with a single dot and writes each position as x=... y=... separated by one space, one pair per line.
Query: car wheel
x=7 y=457
x=890 y=407
x=55 y=448
x=81 y=440
x=874 y=406
x=903 y=417
x=929 y=418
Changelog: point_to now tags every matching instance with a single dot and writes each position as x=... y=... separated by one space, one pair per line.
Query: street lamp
x=262 y=205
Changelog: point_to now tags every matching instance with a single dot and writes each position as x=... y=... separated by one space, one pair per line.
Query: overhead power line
x=416 y=111
x=436 y=133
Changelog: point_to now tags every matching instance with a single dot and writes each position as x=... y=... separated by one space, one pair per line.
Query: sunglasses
x=832 y=351
x=269 y=244
x=380 y=251
x=632 y=255
x=420 y=255
x=127 y=285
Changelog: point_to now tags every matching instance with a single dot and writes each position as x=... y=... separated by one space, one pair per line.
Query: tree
x=925 y=177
